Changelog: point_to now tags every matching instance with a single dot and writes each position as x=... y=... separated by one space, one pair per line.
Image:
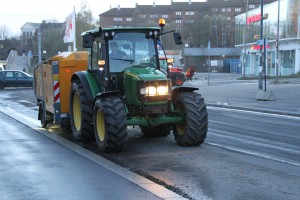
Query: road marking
x=254 y=112
x=253 y=141
x=253 y=153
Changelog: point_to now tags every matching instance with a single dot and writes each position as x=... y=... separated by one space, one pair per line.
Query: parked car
x=14 y=78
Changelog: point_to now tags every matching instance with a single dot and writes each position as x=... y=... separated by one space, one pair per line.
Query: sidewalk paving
x=226 y=91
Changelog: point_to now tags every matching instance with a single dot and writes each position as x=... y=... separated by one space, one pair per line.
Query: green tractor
x=125 y=85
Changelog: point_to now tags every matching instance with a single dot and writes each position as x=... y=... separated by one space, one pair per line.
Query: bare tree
x=84 y=22
x=4 y=32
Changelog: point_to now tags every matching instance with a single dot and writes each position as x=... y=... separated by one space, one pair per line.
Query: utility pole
x=39 y=45
x=277 y=42
x=263 y=94
x=245 y=39
x=261 y=64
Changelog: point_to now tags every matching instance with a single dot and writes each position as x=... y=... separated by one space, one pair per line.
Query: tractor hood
x=136 y=78
x=144 y=73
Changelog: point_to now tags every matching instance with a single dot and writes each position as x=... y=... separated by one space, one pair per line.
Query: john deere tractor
x=125 y=85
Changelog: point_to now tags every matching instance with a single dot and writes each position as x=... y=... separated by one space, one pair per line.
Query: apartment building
x=178 y=14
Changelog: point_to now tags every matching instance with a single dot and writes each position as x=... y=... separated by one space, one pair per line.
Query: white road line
x=259 y=142
x=254 y=112
x=253 y=153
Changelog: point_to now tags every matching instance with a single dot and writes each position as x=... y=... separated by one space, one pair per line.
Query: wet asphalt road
x=247 y=155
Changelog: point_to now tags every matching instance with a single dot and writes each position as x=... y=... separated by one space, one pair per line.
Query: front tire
x=193 y=129
x=110 y=124
x=81 y=110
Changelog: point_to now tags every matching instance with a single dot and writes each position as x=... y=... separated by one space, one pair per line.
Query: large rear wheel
x=81 y=110
x=193 y=128
x=110 y=124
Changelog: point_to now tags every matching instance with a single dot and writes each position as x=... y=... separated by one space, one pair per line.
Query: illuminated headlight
x=155 y=33
x=154 y=91
x=150 y=33
x=106 y=34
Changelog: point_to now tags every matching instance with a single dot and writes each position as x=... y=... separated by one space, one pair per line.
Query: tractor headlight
x=154 y=91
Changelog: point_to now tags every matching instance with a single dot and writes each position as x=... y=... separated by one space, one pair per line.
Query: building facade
x=281 y=59
x=180 y=14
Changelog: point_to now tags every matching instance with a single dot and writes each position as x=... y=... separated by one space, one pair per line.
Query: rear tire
x=158 y=131
x=193 y=129
x=43 y=115
x=110 y=124
x=81 y=113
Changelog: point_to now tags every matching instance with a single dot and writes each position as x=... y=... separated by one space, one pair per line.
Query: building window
x=251 y=6
x=142 y=16
x=164 y=16
x=129 y=19
x=153 y=16
x=228 y=18
x=118 y=19
x=214 y=10
x=288 y=62
x=237 y=9
x=228 y=9
x=189 y=13
x=178 y=21
x=223 y=9
x=178 y=13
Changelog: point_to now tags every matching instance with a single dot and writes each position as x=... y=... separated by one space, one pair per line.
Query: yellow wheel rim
x=100 y=125
x=180 y=129
x=77 y=111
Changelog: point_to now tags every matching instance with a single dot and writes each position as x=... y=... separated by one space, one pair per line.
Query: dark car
x=14 y=78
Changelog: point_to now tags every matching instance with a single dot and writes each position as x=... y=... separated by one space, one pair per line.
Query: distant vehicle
x=15 y=78
x=176 y=74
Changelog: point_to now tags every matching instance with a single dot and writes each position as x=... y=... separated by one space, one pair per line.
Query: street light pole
x=261 y=64
x=277 y=42
x=245 y=40
x=39 y=45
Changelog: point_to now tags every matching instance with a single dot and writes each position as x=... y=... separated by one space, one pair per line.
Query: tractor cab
x=115 y=51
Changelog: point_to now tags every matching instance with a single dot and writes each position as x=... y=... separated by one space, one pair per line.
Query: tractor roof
x=131 y=29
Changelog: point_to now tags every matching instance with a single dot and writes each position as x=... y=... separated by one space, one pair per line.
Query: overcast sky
x=15 y=13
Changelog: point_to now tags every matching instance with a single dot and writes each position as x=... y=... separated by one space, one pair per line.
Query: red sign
x=254 y=18
x=257 y=47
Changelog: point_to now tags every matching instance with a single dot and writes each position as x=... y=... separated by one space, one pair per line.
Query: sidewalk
x=224 y=90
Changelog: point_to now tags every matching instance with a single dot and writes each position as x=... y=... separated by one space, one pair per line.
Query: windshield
x=129 y=49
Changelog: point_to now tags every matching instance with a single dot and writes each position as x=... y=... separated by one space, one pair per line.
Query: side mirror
x=177 y=38
x=87 y=41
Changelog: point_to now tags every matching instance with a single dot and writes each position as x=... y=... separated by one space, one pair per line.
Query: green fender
x=90 y=83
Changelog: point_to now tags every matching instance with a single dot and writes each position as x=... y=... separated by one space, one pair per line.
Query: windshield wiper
x=129 y=60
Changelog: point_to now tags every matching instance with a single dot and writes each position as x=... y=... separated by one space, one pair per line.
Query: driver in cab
x=116 y=53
